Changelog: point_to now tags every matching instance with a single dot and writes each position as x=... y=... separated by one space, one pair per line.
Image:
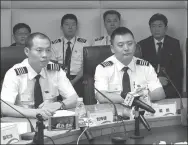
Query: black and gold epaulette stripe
x=53 y=67
x=142 y=62
x=21 y=70
x=81 y=40
x=97 y=39
x=107 y=63
x=56 y=41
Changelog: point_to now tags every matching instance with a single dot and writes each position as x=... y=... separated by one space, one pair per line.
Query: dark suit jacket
x=171 y=60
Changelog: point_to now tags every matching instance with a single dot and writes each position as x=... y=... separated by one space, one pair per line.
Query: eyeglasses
x=22 y=34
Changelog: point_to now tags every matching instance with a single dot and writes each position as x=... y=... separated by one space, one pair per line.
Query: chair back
x=9 y=57
x=93 y=55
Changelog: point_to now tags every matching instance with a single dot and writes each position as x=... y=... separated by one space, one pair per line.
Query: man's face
x=40 y=53
x=158 y=29
x=20 y=36
x=123 y=46
x=69 y=28
x=111 y=23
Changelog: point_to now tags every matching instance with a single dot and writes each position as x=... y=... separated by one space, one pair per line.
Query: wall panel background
x=45 y=16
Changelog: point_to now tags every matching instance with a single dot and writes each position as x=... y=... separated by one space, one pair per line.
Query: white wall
x=45 y=16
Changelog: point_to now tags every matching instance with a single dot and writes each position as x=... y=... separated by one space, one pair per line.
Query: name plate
x=101 y=117
x=9 y=133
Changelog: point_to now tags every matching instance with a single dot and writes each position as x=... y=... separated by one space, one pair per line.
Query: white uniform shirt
x=109 y=78
x=59 y=47
x=104 y=40
x=19 y=88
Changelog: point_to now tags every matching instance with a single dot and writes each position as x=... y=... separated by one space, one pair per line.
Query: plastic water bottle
x=80 y=112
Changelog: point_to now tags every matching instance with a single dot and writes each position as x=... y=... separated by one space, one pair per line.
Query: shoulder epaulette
x=81 y=40
x=21 y=70
x=56 y=41
x=142 y=62
x=101 y=38
x=107 y=63
x=53 y=66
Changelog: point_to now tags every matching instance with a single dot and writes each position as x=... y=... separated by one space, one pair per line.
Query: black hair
x=111 y=12
x=21 y=25
x=29 y=39
x=120 y=31
x=69 y=16
x=160 y=17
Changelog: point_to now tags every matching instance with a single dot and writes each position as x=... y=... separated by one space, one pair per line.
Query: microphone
x=87 y=134
x=32 y=128
x=144 y=122
x=130 y=100
x=115 y=109
x=115 y=139
x=167 y=76
x=183 y=111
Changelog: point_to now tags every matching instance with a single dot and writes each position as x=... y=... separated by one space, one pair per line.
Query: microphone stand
x=39 y=134
x=139 y=117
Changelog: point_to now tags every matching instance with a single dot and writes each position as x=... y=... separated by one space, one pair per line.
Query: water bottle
x=80 y=112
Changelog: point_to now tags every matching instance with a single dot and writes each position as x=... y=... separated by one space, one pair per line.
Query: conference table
x=165 y=128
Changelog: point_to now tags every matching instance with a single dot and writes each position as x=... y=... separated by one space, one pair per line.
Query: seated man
x=124 y=73
x=20 y=33
x=163 y=52
x=68 y=51
x=33 y=85
x=111 y=22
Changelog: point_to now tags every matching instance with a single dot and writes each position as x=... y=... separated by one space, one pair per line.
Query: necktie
x=126 y=81
x=68 y=58
x=37 y=92
x=159 y=49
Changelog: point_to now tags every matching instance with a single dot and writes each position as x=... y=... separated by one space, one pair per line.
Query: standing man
x=111 y=22
x=123 y=73
x=164 y=53
x=68 y=51
x=20 y=33
x=32 y=86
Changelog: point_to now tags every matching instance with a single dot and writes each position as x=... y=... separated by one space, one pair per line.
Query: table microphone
x=130 y=101
x=32 y=128
x=167 y=76
x=184 y=115
x=115 y=139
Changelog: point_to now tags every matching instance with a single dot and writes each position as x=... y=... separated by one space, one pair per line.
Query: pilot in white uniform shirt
x=104 y=40
x=19 y=81
x=59 y=47
x=109 y=75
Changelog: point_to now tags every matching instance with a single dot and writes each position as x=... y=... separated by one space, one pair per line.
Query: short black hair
x=29 y=39
x=111 y=12
x=21 y=25
x=160 y=17
x=120 y=31
x=69 y=16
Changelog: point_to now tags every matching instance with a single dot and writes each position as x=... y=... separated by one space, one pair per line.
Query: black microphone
x=130 y=100
x=87 y=134
x=32 y=128
x=144 y=122
x=115 y=139
x=167 y=76
x=182 y=111
x=115 y=109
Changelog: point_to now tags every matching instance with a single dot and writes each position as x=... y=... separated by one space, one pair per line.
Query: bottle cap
x=80 y=99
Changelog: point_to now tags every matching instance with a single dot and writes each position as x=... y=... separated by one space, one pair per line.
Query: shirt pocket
x=114 y=87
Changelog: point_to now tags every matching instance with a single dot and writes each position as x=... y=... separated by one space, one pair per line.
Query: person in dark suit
x=164 y=53
x=20 y=33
